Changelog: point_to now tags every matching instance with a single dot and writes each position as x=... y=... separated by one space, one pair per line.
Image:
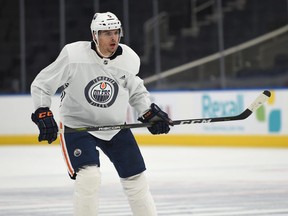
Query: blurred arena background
x=166 y=34
x=229 y=50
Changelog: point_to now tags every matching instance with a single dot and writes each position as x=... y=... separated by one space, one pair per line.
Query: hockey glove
x=159 y=119
x=48 y=128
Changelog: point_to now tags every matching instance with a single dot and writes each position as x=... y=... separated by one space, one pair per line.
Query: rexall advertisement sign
x=271 y=118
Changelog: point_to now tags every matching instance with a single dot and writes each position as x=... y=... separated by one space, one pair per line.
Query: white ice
x=183 y=180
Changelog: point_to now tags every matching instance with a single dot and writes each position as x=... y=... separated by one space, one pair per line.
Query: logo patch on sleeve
x=101 y=92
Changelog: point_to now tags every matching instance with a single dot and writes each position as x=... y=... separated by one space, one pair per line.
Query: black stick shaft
x=259 y=101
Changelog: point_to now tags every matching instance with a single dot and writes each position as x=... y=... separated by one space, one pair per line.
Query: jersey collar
x=117 y=53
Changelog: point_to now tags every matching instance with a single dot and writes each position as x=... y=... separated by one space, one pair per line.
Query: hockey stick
x=259 y=101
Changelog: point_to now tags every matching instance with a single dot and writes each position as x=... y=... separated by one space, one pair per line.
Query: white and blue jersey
x=97 y=90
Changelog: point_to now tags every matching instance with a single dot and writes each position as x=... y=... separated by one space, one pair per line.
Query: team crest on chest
x=101 y=92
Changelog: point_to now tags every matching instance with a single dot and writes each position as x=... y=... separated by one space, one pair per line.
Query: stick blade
x=260 y=100
x=267 y=93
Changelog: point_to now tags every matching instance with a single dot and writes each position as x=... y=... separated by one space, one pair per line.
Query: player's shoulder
x=129 y=52
x=78 y=51
x=79 y=45
x=128 y=60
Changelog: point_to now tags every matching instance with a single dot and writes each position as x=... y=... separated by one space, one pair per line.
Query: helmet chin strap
x=98 y=50
x=104 y=56
x=95 y=39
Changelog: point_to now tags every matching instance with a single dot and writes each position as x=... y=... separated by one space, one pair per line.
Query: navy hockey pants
x=81 y=149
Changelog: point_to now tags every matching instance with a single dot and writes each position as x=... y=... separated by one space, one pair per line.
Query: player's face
x=108 y=41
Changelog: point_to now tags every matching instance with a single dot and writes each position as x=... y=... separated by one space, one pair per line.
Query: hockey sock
x=86 y=196
x=137 y=190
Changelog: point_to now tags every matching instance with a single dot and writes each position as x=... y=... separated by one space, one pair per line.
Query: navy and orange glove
x=44 y=119
x=159 y=119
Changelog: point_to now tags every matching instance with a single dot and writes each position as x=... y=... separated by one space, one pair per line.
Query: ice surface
x=183 y=181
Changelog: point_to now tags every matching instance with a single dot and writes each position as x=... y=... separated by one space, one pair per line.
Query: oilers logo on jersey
x=101 y=92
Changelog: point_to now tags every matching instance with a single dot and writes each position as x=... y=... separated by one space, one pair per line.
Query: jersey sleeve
x=49 y=80
x=139 y=96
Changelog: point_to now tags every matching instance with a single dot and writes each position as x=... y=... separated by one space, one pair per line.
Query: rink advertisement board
x=268 y=126
x=270 y=119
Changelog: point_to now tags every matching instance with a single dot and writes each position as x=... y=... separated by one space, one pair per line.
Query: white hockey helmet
x=105 y=21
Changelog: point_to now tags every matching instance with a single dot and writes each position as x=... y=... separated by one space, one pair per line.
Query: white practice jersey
x=97 y=90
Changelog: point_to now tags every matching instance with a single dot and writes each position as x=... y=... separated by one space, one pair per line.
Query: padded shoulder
x=129 y=60
x=80 y=52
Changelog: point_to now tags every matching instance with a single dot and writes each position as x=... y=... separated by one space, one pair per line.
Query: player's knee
x=135 y=187
x=88 y=180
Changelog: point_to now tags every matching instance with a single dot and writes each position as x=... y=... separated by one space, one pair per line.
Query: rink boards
x=268 y=126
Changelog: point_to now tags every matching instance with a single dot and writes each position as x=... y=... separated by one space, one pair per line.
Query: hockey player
x=99 y=80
